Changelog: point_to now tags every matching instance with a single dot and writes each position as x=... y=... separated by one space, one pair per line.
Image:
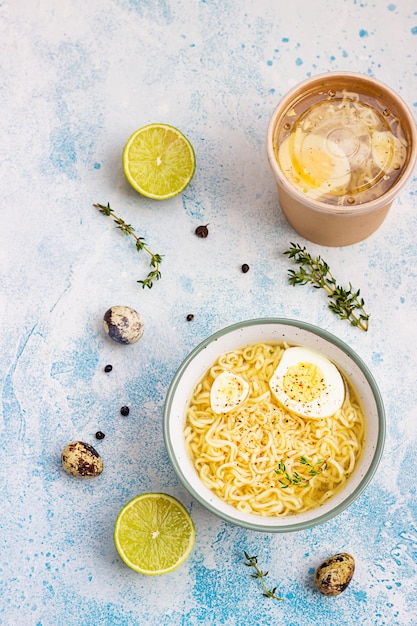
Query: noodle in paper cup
x=341 y=146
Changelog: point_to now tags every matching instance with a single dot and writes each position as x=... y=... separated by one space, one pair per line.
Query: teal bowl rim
x=324 y=335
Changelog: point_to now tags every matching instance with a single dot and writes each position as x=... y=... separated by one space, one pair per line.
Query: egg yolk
x=304 y=382
x=316 y=167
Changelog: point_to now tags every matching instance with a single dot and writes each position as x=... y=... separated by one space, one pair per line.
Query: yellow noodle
x=236 y=454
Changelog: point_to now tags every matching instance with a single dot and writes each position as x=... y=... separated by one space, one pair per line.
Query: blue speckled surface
x=76 y=79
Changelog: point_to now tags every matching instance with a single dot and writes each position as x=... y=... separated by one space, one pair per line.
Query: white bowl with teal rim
x=274 y=330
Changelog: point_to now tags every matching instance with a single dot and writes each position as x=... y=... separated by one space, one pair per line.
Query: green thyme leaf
x=346 y=303
x=296 y=479
x=127 y=229
x=252 y=561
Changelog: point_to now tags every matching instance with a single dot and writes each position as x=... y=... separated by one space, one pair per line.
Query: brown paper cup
x=316 y=219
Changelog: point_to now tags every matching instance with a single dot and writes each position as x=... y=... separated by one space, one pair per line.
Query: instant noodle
x=262 y=458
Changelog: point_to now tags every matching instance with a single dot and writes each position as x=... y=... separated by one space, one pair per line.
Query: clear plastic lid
x=340 y=146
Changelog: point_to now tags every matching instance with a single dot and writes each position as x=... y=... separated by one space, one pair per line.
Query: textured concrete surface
x=77 y=78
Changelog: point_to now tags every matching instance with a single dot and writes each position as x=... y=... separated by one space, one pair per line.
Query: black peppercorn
x=124 y=411
x=100 y=435
x=245 y=268
x=202 y=231
x=190 y=317
x=108 y=368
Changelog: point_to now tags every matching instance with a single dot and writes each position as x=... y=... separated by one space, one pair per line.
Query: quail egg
x=81 y=460
x=334 y=574
x=123 y=324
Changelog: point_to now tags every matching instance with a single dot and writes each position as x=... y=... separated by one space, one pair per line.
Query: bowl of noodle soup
x=341 y=146
x=260 y=465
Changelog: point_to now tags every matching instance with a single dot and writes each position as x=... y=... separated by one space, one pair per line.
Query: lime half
x=158 y=161
x=154 y=534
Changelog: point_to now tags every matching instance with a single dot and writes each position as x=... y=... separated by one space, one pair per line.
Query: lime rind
x=154 y=534
x=159 y=161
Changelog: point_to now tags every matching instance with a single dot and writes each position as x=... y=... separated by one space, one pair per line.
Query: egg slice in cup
x=315 y=164
x=388 y=152
x=307 y=384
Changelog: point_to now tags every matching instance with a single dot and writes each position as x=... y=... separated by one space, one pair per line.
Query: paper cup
x=341 y=146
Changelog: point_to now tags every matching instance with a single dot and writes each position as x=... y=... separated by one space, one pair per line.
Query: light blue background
x=77 y=78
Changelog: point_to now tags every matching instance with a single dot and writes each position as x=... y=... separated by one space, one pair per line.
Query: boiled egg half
x=307 y=383
x=388 y=151
x=227 y=392
x=315 y=164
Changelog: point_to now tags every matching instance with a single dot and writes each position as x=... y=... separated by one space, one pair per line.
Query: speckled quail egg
x=81 y=460
x=123 y=324
x=334 y=574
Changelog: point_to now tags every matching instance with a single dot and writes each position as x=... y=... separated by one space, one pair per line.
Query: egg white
x=314 y=164
x=330 y=399
x=388 y=151
x=227 y=392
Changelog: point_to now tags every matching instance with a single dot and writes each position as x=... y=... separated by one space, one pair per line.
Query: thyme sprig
x=252 y=561
x=127 y=229
x=296 y=479
x=346 y=303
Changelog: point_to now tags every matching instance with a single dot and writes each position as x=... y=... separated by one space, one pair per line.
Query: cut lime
x=158 y=161
x=154 y=534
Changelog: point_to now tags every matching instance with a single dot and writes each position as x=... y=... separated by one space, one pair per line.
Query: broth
x=243 y=455
x=341 y=146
